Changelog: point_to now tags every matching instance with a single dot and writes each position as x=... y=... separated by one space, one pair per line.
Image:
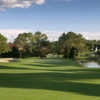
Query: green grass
x=48 y=79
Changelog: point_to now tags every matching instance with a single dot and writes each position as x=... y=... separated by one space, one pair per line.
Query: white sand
x=6 y=60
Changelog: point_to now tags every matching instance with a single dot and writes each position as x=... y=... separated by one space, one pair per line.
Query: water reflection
x=92 y=65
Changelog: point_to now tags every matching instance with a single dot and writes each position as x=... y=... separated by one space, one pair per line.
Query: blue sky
x=50 y=15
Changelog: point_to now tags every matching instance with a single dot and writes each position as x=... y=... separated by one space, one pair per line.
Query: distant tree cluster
x=69 y=45
x=32 y=45
x=4 y=48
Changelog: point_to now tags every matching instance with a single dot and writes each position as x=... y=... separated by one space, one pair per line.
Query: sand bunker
x=6 y=60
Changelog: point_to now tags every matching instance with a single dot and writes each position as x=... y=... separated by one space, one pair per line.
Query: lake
x=91 y=65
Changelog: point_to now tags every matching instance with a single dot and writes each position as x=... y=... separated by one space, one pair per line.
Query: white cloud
x=4 y=4
x=91 y=35
x=39 y=2
x=11 y=34
x=54 y=35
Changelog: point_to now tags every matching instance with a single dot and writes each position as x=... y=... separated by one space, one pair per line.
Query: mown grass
x=48 y=79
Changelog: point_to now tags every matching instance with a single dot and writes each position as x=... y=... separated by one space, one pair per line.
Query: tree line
x=69 y=45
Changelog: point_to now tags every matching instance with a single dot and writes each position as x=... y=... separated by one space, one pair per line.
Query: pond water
x=91 y=65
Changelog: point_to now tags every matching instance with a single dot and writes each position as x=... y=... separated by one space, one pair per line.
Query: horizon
x=52 y=36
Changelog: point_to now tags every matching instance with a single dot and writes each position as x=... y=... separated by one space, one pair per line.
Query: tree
x=29 y=44
x=54 y=47
x=71 y=44
x=24 y=43
x=4 y=48
x=41 y=44
x=92 y=45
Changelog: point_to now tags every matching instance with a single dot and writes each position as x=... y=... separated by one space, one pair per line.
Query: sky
x=50 y=16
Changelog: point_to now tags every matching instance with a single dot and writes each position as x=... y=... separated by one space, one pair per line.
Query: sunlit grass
x=48 y=79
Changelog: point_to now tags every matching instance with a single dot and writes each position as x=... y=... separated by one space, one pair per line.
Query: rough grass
x=48 y=79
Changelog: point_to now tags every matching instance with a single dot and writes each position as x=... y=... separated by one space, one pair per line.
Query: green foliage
x=41 y=44
x=14 y=52
x=98 y=44
x=91 y=44
x=71 y=44
x=54 y=47
x=98 y=53
x=30 y=44
x=24 y=43
x=4 y=48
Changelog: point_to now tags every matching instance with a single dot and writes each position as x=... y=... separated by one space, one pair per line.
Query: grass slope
x=48 y=79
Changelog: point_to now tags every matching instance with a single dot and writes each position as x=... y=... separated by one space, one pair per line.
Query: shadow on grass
x=95 y=70
x=56 y=80
x=54 y=63
x=64 y=82
x=14 y=68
